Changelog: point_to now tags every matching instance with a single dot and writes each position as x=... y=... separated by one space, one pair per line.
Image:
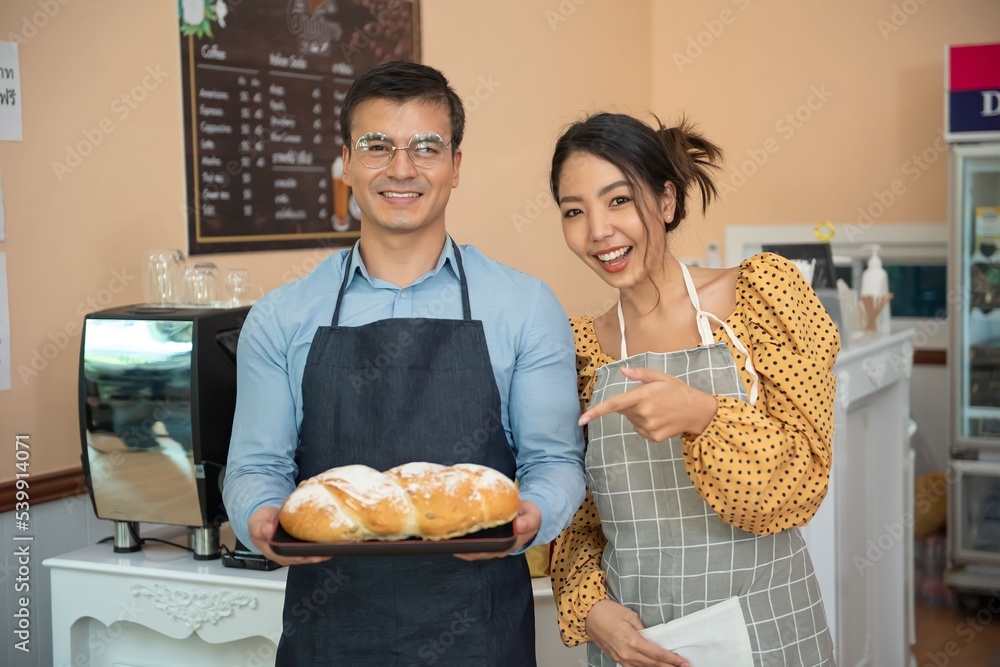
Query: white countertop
x=164 y=562
x=161 y=561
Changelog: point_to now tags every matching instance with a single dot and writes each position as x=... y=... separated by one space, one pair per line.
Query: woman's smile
x=614 y=260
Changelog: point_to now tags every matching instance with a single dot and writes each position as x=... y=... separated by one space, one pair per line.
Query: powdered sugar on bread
x=366 y=485
x=416 y=469
x=419 y=499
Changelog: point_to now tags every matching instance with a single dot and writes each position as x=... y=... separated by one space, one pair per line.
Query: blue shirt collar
x=447 y=257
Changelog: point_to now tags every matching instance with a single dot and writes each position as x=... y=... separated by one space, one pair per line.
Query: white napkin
x=714 y=636
x=806 y=268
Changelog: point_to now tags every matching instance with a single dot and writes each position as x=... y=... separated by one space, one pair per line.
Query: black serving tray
x=500 y=538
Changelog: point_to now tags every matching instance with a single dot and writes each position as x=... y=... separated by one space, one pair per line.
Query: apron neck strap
x=621 y=327
x=703 y=317
x=704 y=328
x=343 y=284
x=466 y=306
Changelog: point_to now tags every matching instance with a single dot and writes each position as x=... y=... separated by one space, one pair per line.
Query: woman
x=710 y=444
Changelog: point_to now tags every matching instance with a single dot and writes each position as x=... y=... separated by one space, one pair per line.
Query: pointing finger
x=645 y=374
x=615 y=404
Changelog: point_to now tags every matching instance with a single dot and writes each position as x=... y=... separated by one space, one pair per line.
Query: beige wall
x=525 y=69
x=873 y=73
x=75 y=245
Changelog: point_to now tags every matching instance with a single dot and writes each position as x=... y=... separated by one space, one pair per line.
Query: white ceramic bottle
x=875 y=283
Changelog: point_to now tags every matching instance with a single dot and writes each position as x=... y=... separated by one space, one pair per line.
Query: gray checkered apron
x=668 y=553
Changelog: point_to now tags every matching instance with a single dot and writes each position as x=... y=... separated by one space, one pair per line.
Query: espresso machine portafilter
x=157 y=396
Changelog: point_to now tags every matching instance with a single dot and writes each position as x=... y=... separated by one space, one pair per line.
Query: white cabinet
x=160 y=606
x=549 y=649
x=861 y=540
x=113 y=609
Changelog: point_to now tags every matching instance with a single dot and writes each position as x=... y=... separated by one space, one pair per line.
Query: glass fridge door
x=976 y=277
x=974 y=509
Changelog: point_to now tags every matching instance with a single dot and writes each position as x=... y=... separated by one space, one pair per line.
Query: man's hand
x=262 y=525
x=526 y=525
x=615 y=629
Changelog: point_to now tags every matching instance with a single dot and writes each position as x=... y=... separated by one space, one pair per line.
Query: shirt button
x=402 y=295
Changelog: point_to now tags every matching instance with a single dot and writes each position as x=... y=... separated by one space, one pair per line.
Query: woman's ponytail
x=693 y=157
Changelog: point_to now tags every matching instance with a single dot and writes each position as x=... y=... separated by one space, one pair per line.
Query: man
x=404 y=348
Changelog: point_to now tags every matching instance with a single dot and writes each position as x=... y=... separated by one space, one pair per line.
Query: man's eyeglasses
x=375 y=150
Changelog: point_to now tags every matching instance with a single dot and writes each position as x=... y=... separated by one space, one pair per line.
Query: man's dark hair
x=403 y=82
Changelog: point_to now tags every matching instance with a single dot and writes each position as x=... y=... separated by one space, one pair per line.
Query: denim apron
x=668 y=553
x=384 y=394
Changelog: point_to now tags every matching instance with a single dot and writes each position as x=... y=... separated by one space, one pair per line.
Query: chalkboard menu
x=263 y=85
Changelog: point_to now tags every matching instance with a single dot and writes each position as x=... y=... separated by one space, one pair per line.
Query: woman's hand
x=615 y=629
x=661 y=408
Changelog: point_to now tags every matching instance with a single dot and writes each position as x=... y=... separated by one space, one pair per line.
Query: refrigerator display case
x=972 y=128
x=974 y=290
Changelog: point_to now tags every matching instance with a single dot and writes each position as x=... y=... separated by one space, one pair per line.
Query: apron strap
x=705 y=331
x=343 y=285
x=621 y=326
x=702 y=318
x=466 y=307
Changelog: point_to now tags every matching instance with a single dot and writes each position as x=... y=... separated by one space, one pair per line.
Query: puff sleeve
x=766 y=467
x=578 y=582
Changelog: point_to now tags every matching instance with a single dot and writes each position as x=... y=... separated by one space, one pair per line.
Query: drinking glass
x=242 y=292
x=202 y=286
x=164 y=277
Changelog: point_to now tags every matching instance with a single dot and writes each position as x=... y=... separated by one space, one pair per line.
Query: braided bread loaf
x=434 y=502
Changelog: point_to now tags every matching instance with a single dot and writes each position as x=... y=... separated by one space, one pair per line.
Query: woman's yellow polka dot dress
x=762 y=468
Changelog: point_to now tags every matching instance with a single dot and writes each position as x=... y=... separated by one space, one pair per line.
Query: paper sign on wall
x=4 y=327
x=2 y=226
x=10 y=93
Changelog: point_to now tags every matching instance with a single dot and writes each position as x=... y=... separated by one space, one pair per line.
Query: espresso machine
x=157 y=396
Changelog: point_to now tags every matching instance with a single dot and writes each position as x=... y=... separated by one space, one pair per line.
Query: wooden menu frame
x=262 y=86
